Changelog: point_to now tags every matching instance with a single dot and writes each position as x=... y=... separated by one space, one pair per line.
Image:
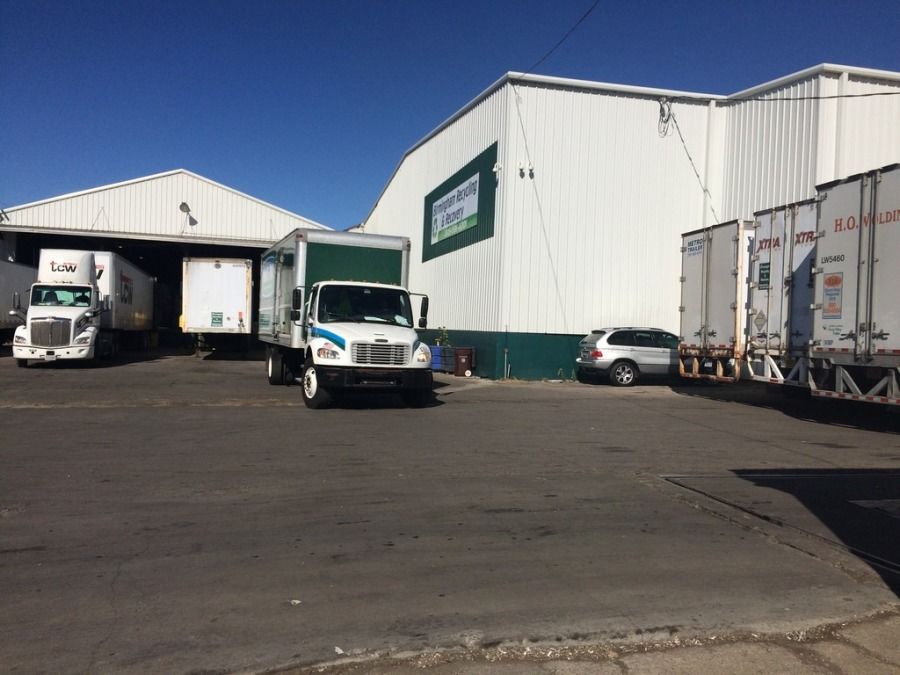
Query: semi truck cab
x=63 y=317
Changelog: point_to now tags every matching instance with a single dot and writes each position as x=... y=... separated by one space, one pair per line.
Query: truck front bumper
x=53 y=353
x=331 y=377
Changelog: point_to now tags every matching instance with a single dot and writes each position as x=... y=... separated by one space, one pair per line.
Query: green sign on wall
x=460 y=211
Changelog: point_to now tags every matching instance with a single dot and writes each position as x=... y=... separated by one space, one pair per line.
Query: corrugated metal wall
x=869 y=128
x=463 y=285
x=592 y=238
x=770 y=156
x=570 y=248
x=149 y=209
x=778 y=150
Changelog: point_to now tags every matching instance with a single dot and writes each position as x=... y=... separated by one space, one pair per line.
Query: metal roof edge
x=590 y=85
x=164 y=174
x=815 y=70
x=254 y=199
x=79 y=193
x=247 y=243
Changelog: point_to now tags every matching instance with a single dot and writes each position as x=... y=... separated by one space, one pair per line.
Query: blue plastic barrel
x=435 y=357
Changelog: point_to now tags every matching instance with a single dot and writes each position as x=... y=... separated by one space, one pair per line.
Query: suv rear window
x=621 y=337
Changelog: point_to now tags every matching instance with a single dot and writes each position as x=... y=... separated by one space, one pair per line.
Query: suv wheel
x=623 y=374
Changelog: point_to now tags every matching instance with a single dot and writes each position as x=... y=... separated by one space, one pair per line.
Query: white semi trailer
x=15 y=282
x=814 y=287
x=216 y=296
x=714 y=264
x=855 y=348
x=83 y=305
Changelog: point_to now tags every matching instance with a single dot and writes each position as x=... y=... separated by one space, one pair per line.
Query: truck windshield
x=61 y=296
x=364 y=303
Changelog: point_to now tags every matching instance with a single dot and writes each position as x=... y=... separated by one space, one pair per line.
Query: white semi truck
x=83 y=305
x=15 y=282
x=335 y=314
x=814 y=289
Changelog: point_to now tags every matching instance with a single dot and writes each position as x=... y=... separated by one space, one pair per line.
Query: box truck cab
x=336 y=316
x=80 y=304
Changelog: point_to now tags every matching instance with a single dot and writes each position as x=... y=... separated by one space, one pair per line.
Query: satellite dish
x=184 y=208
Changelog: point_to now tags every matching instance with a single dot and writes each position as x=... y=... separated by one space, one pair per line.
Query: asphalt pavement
x=177 y=514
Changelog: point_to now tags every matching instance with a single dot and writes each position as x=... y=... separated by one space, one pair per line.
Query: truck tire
x=314 y=396
x=274 y=365
x=22 y=363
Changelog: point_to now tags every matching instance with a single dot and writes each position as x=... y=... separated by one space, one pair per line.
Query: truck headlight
x=328 y=351
x=423 y=353
x=83 y=339
x=20 y=340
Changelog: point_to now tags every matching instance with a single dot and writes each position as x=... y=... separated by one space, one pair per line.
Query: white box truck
x=83 y=305
x=217 y=296
x=335 y=313
x=15 y=283
x=855 y=348
x=714 y=264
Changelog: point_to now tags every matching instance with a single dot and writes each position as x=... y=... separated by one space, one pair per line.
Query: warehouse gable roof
x=174 y=205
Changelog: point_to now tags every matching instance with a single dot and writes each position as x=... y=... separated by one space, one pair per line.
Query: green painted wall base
x=530 y=356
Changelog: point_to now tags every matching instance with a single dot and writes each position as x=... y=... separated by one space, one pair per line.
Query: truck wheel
x=418 y=398
x=22 y=363
x=623 y=374
x=274 y=366
x=314 y=396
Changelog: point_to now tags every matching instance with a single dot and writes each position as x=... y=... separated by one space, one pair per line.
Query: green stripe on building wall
x=530 y=356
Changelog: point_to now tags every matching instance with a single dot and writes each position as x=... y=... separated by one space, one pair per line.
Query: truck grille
x=51 y=333
x=380 y=354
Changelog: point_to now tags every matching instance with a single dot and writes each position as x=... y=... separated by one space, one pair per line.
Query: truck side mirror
x=297 y=304
x=297 y=299
x=16 y=303
x=423 y=313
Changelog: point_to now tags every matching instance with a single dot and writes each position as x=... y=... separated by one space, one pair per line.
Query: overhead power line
x=744 y=99
x=563 y=38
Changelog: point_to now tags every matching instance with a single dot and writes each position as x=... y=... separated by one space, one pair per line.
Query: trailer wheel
x=623 y=374
x=274 y=366
x=314 y=396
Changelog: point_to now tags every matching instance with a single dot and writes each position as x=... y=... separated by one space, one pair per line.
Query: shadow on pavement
x=860 y=507
x=853 y=414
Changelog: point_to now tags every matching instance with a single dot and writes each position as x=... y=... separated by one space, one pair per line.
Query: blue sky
x=311 y=105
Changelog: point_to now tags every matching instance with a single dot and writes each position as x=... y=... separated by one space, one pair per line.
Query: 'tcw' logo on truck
x=63 y=267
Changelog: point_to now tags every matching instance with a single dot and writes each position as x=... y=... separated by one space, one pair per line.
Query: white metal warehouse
x=175 y=206
x=547 y=207
x=154 y=222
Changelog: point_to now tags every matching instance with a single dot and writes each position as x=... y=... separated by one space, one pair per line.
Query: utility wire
x=540 y=210
x=563 y=38
x=666 y=115
x=743 y=99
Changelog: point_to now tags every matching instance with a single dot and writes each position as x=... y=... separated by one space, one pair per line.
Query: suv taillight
x=596 y=354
